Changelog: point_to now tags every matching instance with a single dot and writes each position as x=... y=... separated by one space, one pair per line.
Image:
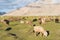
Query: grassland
x=24 y=31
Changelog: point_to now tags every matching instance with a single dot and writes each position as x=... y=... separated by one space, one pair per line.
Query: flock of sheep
x=36 y=29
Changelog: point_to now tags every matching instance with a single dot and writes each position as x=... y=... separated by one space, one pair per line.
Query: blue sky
x=9 y=5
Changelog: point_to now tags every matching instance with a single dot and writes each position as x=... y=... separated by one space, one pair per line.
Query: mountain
x=37 y=9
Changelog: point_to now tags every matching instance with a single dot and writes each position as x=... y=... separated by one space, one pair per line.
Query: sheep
x=43 y=20
x=34 y=20
x=6 y=21
x=8 y=29
x=22 y=22
x=57 y=20
x=40 y=22
x=28 y=22
x=34 y=25
x=24 y=18
x=39 y=29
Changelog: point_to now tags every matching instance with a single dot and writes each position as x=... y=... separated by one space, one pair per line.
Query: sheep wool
x=40 y=29
x=21 y=21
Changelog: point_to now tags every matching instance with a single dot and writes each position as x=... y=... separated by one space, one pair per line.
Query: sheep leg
x=42 y=34
x=37 y=33
x=47 y=33
x=40 y=23
x=33 y=31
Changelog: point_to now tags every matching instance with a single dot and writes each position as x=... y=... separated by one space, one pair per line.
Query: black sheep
x=6 y=21
x=34 y=20
x=57 y=20
x=8 y=29
x=34 y=25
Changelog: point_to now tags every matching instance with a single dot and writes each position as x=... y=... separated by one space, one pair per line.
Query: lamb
x=39 y=29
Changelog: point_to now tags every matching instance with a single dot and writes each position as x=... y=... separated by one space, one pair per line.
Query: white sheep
x=39 y=29
x=42 y=20
x=21 y=21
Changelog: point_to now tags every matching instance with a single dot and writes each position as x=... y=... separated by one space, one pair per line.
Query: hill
x=36 y=9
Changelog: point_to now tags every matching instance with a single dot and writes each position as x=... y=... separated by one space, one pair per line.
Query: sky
x=9 y=5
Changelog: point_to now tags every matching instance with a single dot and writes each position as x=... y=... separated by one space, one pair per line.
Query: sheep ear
x=47 y=33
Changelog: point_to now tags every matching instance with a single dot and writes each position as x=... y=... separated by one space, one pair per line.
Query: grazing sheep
x=22 y=21
x=34 y=20
x=42 y=20
x=8 y=29
x=57 y=20
x=34 y=25
x=24 y=18
x=6 y=21
x=28 y=22
x=39 y=29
